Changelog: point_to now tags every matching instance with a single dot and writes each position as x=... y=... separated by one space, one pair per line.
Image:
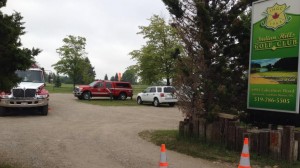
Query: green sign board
x=274 y=57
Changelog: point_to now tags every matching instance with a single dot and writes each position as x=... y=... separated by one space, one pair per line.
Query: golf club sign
x=274 y=56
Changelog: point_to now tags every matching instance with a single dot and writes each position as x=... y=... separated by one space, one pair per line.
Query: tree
x=57 y=82
x=154 y=60
x=214 y=62
x=112 y=78
x=105 y=77
x=116 y=77
x=73 y=60
x=130 y=75
x=12 y=56
x=88 y=74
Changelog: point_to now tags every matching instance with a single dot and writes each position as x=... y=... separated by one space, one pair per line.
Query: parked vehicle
x=158 y=95
x=103 y=88
x=30 y=93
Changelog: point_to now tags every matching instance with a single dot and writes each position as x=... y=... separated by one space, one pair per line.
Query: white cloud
x=110 y=28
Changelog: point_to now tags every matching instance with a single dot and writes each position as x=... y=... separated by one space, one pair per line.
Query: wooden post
x=254 y=140
x=196 y=127
x=295 y=151
x=208 y=132
x=216 y=132
x=297 y=138
x=288 y=143
x=231 y=135
x=240 y=135
x=275 y=144
x=264 y=140
x=181 y=128
x=201 y=129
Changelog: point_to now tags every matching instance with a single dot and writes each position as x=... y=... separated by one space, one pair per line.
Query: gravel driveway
x=79 y=135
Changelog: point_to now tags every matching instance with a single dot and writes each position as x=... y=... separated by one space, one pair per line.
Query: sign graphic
x=276 y=16
x=274 y=58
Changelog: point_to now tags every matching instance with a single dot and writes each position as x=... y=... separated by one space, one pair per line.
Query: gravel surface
x=79 y=135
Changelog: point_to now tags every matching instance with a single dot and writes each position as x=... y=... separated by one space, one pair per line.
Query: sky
x=109 y=26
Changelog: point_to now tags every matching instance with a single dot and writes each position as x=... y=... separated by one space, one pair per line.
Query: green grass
x=108 y=102
x=278 y=74
x=65 y=88
x=199 y=149
x=5 y=165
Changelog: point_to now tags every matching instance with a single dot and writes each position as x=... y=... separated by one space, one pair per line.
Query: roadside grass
x=65 y=88
x=200 y=149
x=108 y=102
x=6 y=166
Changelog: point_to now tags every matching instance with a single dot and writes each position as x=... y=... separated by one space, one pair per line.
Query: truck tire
x=2 y=111
x=44 y=110
x=123 y=96
x=86 y=96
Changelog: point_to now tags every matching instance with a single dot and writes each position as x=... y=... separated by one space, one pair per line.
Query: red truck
x=104 y=88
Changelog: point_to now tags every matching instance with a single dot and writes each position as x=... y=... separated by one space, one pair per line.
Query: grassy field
x=199 y=149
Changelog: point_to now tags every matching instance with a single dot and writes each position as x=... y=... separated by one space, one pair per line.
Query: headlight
x=41 y=96
x=4 y=96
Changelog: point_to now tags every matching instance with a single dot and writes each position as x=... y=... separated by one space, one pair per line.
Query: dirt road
x=78 y=135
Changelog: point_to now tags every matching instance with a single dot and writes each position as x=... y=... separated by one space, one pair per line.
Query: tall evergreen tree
x=214 y=63
x=112 y=78
x=12 y=56
x=89 y=73
x=116 y=77
x=57 y=82
x=105 y=77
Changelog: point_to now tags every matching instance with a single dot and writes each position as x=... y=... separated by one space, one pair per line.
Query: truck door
x=108 y=89
x=96 y=90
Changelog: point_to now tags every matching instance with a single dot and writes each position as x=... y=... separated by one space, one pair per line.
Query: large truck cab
x=29 y=93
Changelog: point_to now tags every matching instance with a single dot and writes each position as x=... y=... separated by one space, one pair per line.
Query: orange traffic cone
x=163 y=157
x=245 y=156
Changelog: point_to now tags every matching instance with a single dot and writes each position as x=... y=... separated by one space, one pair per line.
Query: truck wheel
x=139 y=100
x=44 y=110
x=79 y=97
x=86 y=95
x=2 y=111
x=123 y=96
x=156 y=102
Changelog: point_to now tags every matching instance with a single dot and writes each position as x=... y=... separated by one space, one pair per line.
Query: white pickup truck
x=30 y=93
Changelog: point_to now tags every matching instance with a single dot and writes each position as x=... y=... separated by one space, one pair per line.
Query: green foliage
x=112 y=78
x=154 y=60
x=214 y=62
x=12 y=56
x=57 y=82
x=105 y=77
x=116 y=77
x=74 y=62
x=130 y=75
x=88 y=74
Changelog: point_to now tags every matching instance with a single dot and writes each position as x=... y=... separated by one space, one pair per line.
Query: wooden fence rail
x=281 y=143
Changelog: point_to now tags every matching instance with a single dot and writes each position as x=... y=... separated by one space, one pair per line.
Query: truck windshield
x=31 y=76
